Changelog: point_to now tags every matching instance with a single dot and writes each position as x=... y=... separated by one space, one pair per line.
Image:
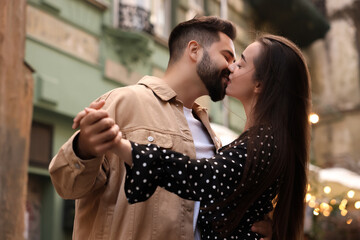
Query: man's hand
x=98 y=132
x=264 y=228
x=109 y=139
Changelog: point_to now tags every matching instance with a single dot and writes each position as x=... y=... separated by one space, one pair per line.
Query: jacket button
x=77 y=166
x=150 y=138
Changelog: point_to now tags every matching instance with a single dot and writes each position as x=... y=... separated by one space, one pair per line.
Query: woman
x=265 y=167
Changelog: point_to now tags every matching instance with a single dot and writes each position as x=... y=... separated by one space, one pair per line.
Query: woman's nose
x=232 y=67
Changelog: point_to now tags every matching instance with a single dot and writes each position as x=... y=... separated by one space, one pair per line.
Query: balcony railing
x=135 y=18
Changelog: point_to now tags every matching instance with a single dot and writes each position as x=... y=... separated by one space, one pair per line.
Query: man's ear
x=194 y=50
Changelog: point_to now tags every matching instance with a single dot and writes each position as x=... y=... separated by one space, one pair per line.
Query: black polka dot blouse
x=206 y=180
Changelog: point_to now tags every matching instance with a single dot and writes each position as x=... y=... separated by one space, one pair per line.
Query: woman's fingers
x=94 y=105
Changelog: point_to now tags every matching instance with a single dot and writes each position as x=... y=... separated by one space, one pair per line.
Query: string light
x=312 y=202
x=308 y=197
x=326 y=213
x=314 y=118
x=343 y=212
x=324 y=206
x=343 y=204
x=316 y=211
x=351 y=194
x=327 y=189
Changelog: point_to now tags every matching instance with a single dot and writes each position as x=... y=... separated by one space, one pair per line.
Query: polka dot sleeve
x=198 y=179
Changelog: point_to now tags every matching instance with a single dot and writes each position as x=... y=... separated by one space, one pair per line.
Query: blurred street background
x=57 y=56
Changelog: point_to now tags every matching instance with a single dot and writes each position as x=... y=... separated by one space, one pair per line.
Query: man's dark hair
x=205 y=30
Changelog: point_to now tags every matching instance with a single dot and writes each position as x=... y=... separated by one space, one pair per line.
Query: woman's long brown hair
x=284 y=104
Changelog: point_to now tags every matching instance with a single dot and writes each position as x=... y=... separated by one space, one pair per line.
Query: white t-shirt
x=204 y=148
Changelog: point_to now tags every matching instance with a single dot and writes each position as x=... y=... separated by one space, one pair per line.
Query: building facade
x=334 y=63
x=79 y=50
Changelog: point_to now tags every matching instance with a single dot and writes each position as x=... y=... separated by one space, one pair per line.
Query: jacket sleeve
x=73 y=177
x=197 y=179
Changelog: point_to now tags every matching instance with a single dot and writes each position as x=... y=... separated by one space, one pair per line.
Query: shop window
x=40 y=145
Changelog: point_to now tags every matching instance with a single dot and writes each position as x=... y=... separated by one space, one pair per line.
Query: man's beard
x=212 y=76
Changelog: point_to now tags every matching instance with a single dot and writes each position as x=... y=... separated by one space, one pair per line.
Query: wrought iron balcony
x=134 y=18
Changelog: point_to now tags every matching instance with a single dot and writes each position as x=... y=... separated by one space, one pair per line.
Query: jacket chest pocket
x=143 y=136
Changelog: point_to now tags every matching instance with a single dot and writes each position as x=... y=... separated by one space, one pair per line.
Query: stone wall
x=335 y=68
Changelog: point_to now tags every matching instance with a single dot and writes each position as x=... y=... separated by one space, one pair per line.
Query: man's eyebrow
x=243 y=57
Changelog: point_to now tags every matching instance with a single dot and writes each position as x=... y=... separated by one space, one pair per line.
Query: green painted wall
x=75 y=82
x=79 y=13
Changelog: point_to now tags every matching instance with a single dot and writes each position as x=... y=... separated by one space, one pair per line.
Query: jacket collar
x=163 y=90
x=159 y=87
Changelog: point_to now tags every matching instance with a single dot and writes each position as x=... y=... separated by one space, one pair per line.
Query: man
x=150 y=112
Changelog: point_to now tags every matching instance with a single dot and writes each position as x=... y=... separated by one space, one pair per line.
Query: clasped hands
x=99 y=134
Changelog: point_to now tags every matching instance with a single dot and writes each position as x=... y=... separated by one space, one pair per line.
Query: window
x=40 y=145
x=133 y=15
x=36 y=187
x=151 y=16
x=161 y=17
x=196 y=9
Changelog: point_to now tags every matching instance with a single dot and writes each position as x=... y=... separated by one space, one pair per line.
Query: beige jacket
x=146 y=113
